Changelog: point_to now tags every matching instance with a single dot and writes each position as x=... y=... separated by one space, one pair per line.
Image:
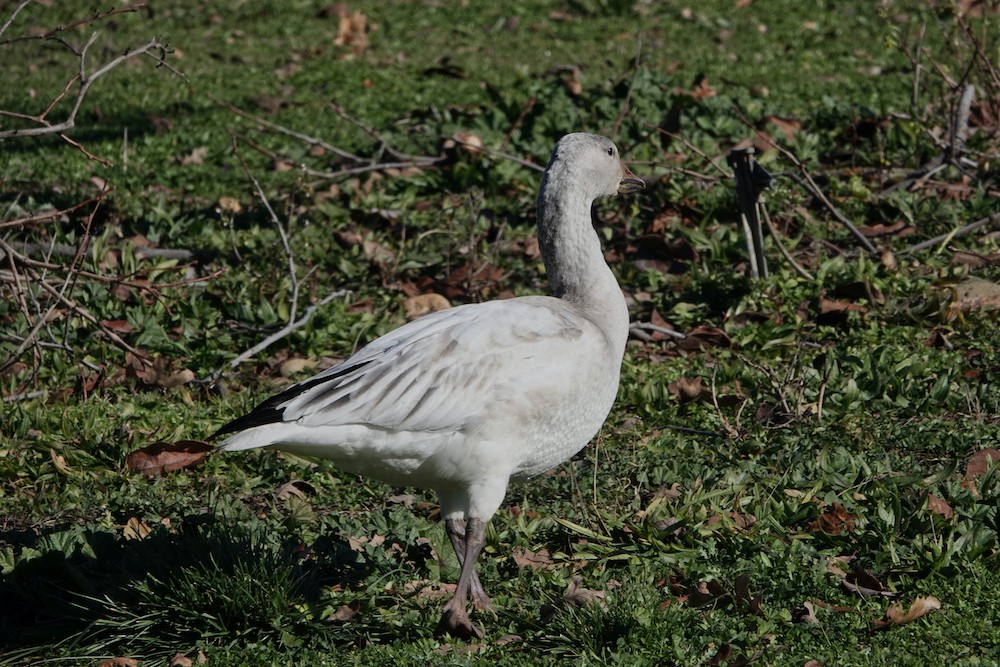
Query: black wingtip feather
x=271 y=412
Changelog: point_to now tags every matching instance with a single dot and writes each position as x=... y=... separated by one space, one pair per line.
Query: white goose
x=464 y=400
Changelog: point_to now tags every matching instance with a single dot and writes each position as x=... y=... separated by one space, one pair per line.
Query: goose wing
x=438 y=373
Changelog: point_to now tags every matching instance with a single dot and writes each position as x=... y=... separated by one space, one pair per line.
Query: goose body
x=464 y=400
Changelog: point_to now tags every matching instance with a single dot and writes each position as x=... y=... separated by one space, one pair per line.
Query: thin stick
x=943 y=238
x=10 y=19
x=781 y=246
x=649 y=326
x=691 y=147
x=86 y=82
x=289 y=256
x=281 y=129
x=286 y=330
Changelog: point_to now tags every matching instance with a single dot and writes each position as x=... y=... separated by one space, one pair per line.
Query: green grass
x=819 y=432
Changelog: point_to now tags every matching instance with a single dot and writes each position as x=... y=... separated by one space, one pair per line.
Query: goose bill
x=631 y=184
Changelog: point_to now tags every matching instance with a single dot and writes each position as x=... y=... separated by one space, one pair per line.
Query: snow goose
x=464 y=400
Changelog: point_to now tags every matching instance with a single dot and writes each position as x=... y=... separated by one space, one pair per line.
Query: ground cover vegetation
x=799 y=468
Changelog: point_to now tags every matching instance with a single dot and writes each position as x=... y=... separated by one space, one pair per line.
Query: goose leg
x=455 y=619
x=456 y=532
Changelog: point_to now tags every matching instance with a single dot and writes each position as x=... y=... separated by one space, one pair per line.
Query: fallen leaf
x=702 y=338
x=136 y=529
x=834 y=521
x=290 y=367
x=296 y=488
x=574 y=81
x=163 y=457
x=862 y=582
x=120 y=327
x=708 y=592
x=894 y=615
x=119 y=662
x=788 y=127
x=59 y=461
x=346 y=611
x=981 y=462
x=230 y=205
x=195 y=157
x=575 y=594
x=535 y=560
x=839 y=565
x=805 y=614
x=688 y=389
x=422 y=304
x=353 y=32
x=468 y=142
x=939 y=506
x=974 y=294
x=405 y=499
x=180 y=660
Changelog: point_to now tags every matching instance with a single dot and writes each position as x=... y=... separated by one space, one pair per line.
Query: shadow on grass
x=209 y=582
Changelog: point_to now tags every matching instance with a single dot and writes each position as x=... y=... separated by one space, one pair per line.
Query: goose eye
x=611 y=151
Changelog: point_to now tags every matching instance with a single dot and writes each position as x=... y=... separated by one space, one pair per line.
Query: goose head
x=592 y=162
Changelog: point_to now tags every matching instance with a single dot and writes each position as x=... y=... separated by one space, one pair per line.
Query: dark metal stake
x=751 y=178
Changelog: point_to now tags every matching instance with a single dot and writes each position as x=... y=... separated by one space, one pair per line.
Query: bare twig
x=289 y=256
x=286 y=330
x=649 y=326
x=44 y=126
x=781 y=246
x=691 y=147
x=54 y=32
x=281 y=129
x=944 y=238
x=13 y=15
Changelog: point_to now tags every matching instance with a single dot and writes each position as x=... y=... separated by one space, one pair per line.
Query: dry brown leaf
x=981 y=462
x=468 y=142
x=574 y=81
x=230 y=205
x=353 y=32
x=702 y=338
x=839 y=565
x=119 y=662
x=346 y=611
x=974 y=294
x=575 y=594
x=422 y=304
x=164 y=457
x=688 y=389
x=404 y=499
x=863 y=583
x=894 y=615
x=136 y=529
x=195 y=157
x=120 y=327
x=539 y=560
x=834 y=521
x=939 y=506
x=180 y=660
x=805 y=614
x=59 y=461
x=708 y=592
x=789 y=127
x=296 y=488
x=290 y=367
